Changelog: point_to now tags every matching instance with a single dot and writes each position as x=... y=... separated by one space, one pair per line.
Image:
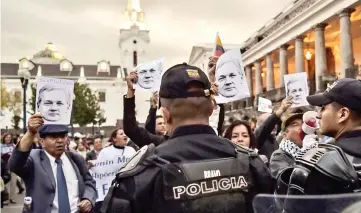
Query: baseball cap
x=289 y=120
x=51 y=129
x=346 y=91
x=175 y=80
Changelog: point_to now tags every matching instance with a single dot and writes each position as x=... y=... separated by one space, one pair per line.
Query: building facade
x=103 y=77
x=320 y=37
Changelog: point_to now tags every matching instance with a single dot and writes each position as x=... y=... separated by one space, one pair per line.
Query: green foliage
x=32 y=99
x=4 y=96
x=10 y=100
x=16 y=121
x=86 y=107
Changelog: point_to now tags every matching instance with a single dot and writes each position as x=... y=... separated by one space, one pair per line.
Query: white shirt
x=71 y=183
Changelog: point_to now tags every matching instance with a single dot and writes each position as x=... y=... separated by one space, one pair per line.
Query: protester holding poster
x=149 y=75
x=230 y=78
x=108 y=163
x=297 y=88
x=54 y=100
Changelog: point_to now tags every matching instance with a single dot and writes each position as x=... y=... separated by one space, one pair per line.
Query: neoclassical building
x=320 y=37
x=103 y=77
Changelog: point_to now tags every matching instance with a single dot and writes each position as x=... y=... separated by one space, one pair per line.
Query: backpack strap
x=142 y=159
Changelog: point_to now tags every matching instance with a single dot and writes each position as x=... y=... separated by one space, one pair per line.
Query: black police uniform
x=329 y=168
x=193 y=171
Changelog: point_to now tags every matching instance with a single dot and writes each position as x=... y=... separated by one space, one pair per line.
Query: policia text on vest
x=210 y=186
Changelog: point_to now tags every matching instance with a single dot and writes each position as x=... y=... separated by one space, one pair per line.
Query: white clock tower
x=133 y=37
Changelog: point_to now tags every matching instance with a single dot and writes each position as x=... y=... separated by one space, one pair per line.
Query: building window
x=66 y=65
x=135 y=58
x=103 y=66
x=101 y=96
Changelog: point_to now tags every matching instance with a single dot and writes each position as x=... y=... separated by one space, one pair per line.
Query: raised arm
x=138 y=135
x=20 y=162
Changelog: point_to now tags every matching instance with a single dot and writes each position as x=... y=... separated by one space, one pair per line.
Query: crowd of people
x=187 y=159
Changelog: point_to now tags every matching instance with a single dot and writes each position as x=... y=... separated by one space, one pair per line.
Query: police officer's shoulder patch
x=138 y=157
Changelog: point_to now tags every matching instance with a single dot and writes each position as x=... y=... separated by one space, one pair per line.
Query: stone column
x=270 y=74
x=258 y=77
x=320 y=56
x=347 y=58
x=249 y=78
x=299 y=55
x=283 y=63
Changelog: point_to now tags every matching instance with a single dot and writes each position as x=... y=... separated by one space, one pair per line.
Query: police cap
x=345 y=91
x=175 y=82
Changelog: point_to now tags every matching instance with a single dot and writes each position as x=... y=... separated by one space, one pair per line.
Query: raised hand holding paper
x=264 y=105
x=54 y=99
x=149 y=75
x=296 y=86
x=230 y=77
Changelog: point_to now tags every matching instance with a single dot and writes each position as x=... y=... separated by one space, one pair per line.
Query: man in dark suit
x=56 y=180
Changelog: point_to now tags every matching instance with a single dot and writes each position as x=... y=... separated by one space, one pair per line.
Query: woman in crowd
x=240 y=133
x=7 y=147
x=118 y=150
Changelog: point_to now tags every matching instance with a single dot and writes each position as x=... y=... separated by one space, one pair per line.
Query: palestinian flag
x=218 y=50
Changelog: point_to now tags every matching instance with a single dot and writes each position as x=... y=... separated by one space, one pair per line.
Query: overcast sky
x=86 y=31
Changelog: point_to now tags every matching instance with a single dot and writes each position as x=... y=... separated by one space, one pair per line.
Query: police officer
x=194 y=170
x=335 y=167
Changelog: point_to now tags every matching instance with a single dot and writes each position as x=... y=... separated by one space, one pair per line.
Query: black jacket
x=267 y=143
x=350 y=143
x=91 y=156
x=188 y=143
x=138 y=135
x=150 y=123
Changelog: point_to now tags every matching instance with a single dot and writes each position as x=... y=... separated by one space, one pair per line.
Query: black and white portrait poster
x=54 y=99
x=296 y=86
x=230 y=77
x=149 y=75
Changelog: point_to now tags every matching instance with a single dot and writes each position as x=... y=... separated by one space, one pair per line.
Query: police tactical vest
x=326 y=169
x=200 y=186
x=184 y=181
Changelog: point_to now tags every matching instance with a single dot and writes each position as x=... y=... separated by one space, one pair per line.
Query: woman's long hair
x=114 y=135
x=228 y=133
x=4 y=136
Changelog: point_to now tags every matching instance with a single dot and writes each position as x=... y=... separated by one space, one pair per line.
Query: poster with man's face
x=230 y=78
x=54 y=99
x=149 y=75
x=297 y=87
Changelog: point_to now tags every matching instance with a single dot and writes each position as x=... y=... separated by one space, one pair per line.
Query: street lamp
x=24 y=75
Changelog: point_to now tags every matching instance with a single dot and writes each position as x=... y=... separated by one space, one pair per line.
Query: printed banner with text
x=104 y=171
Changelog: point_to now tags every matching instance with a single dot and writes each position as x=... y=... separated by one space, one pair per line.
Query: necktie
x=63 y=199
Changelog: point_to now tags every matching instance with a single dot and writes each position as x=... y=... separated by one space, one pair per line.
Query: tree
x=4 y=96
x=11 y=101
x=32 y=99
x=85 y=105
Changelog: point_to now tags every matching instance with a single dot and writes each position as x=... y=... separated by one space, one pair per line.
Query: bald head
x=262 y=118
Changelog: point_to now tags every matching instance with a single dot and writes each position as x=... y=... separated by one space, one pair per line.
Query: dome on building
x=49 y=55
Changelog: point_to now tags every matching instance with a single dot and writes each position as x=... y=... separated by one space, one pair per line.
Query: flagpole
x=215 y=44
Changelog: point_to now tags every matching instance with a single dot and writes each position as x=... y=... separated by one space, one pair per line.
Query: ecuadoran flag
x=218 y=50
